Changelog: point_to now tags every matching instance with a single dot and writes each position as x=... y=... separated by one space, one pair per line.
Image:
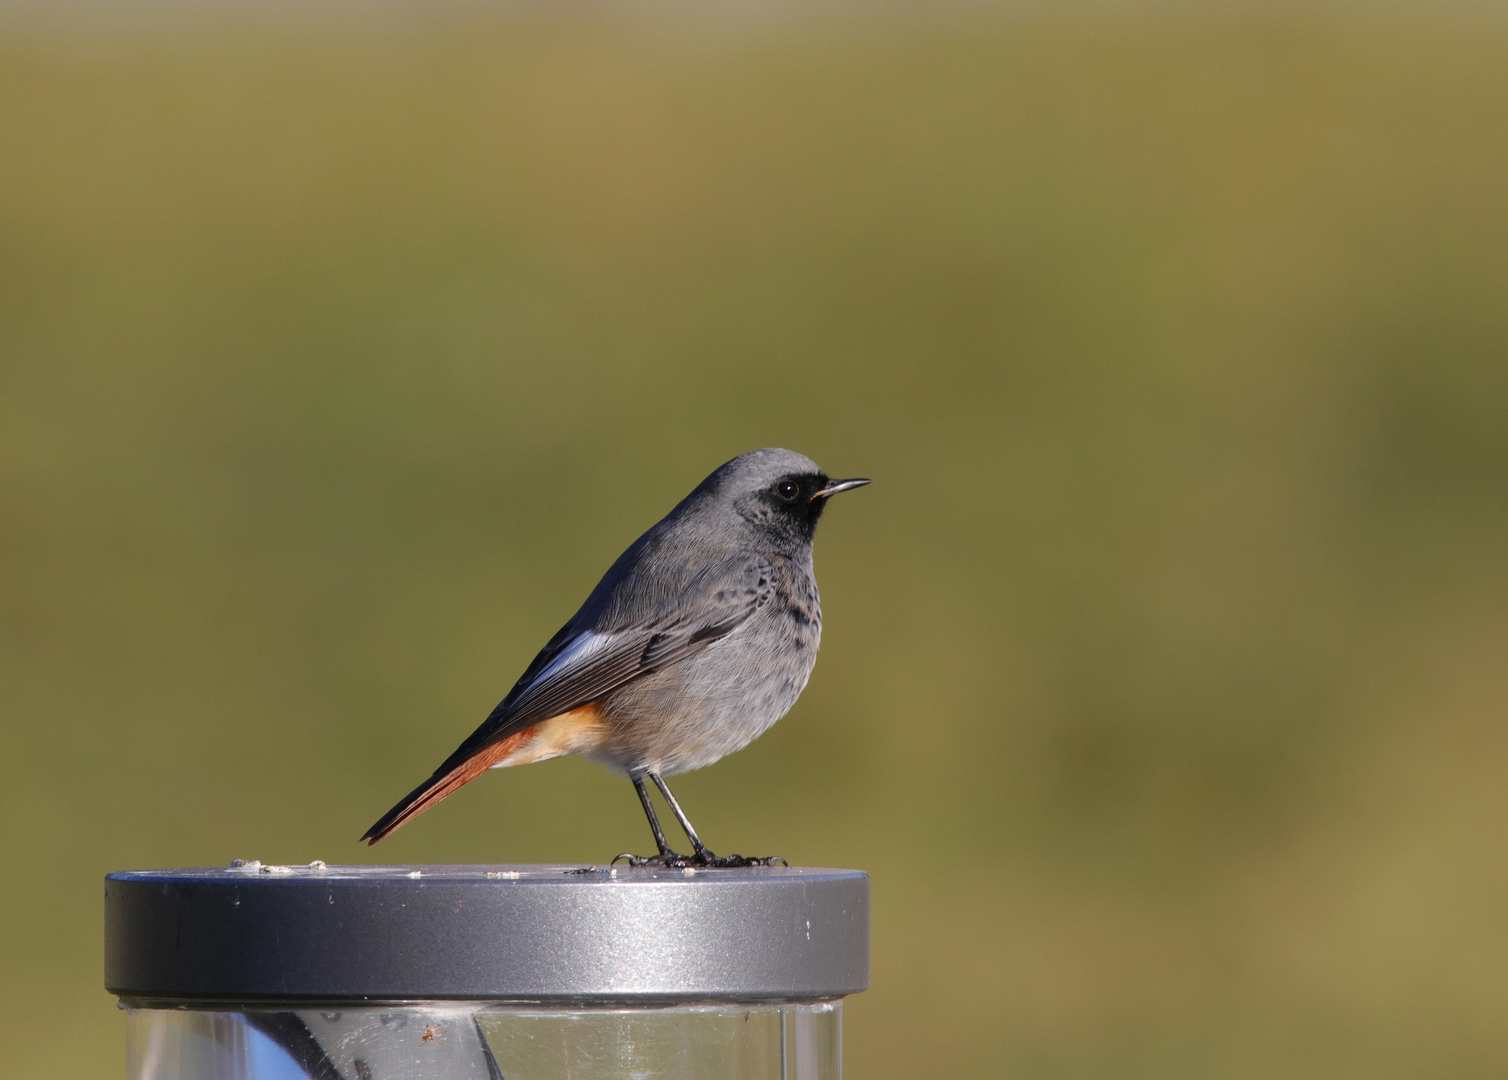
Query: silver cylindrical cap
x=506 y=933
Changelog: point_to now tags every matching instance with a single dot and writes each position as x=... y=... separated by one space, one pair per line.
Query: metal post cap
x=511 y=933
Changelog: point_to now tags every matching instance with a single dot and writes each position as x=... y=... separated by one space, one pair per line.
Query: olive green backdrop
x=1164 y=676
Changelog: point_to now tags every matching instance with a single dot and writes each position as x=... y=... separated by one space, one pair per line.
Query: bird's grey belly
x=717 y=701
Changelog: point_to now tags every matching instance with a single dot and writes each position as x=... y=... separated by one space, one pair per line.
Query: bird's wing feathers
x=579 y=666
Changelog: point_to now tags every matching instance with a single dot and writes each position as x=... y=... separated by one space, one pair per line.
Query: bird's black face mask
x=793 y=504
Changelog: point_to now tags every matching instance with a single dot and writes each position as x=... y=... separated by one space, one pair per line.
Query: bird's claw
x=667 y=859
x=632 y=859
x=703 y=859
x=730 y=862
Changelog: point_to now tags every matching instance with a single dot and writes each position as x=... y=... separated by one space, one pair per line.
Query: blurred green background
x=1164 y=676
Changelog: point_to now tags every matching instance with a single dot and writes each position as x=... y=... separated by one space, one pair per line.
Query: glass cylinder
x=486 y=972
x=472 y=1040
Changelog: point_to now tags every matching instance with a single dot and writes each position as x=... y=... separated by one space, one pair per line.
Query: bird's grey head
x=779 y=492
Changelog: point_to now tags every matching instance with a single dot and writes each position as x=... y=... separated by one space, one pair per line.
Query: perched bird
x=699 y=637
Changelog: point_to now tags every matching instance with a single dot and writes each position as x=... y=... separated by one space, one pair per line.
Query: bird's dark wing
x=580 y=665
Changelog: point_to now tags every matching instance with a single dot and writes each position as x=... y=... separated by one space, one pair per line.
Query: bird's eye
x=787 y=489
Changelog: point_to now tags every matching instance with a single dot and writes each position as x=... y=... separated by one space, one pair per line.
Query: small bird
x=693 y=644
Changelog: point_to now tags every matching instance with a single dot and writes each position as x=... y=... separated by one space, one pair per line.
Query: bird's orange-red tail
x=445 y=781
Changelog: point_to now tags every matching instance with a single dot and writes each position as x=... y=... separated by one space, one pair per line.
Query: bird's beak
x=835 y=486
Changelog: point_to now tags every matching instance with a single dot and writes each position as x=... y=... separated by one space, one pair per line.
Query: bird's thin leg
x=704 y=855
x=666 y=857
x=680 y=815
x=654 y=821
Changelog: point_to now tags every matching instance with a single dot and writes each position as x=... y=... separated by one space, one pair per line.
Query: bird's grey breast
x=720 y=699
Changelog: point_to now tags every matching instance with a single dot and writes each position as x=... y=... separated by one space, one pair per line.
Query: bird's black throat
x=790 y=507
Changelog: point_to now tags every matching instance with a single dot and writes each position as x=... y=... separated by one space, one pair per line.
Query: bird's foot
x=733 y=862
x=669 y=859
x=703 y=859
